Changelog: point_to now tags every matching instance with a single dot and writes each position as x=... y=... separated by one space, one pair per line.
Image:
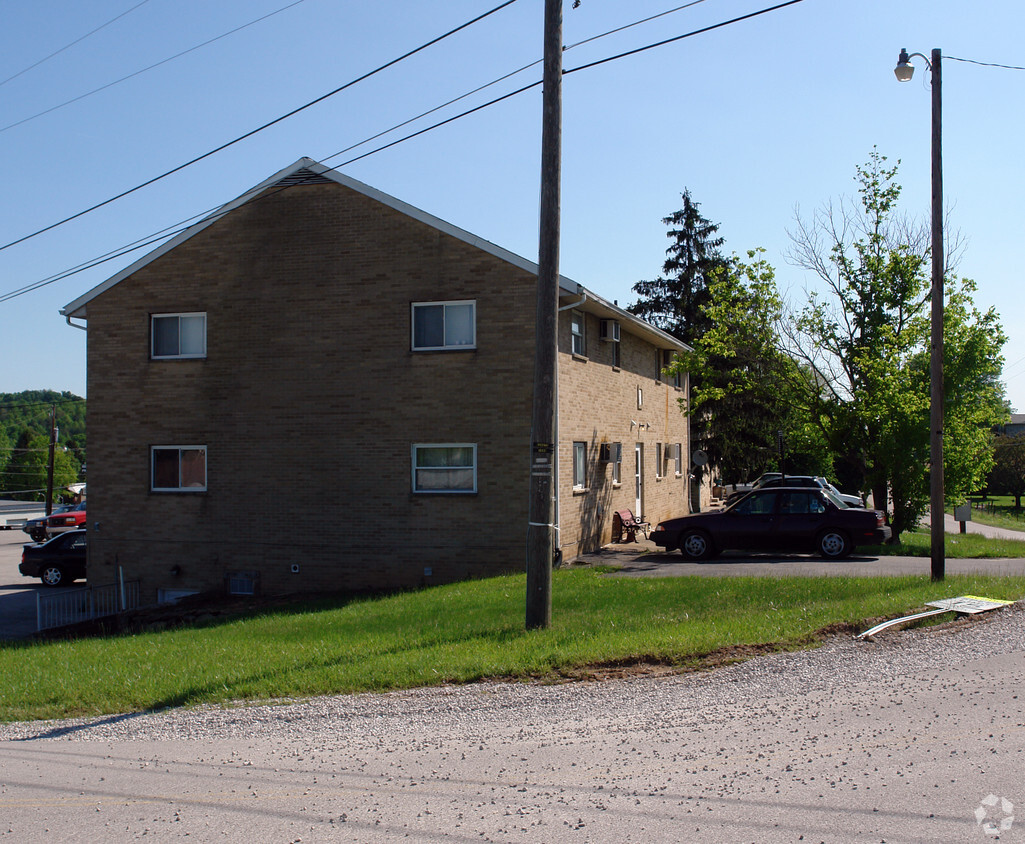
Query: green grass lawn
x=957 y=546
x=455 y=634
x=999 y=511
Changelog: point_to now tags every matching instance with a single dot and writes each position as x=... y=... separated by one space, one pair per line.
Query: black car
x=58 y=561
x=36 y=528
x=776 y=519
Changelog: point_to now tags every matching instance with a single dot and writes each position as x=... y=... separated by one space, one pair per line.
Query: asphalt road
x=918 y=736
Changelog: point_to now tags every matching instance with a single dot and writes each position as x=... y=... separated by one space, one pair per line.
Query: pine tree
x=675 y=301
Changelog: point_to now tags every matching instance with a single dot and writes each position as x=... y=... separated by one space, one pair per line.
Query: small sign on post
x=963 y=514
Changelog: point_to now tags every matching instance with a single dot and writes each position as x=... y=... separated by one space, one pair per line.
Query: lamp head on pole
x=904 y=69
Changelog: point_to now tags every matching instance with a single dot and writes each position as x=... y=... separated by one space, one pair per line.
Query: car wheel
x=53 y=576
x=696 y=545
x=834 y=544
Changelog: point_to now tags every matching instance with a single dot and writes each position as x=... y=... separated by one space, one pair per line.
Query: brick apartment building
x=320 y=387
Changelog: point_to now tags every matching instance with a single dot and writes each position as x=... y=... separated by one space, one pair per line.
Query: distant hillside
x=24 y=438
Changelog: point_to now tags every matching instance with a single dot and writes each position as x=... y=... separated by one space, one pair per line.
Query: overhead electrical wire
x=177 y=228
x=267 y=125
x=72 y=44
x=150 y=67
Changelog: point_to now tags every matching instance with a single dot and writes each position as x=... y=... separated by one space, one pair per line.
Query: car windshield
x=836 y=499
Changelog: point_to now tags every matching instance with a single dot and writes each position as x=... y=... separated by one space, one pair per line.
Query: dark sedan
x=58 y=561
x=775 y=519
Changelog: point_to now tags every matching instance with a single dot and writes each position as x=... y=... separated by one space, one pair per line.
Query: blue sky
x=757 y=119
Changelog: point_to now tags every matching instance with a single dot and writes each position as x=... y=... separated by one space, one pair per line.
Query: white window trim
x=617 y=464
x=152 y=336
x=413 y=468
x=579 y=484
x=659 y=457
x=678 y=454
x=443 y=303
x=180 y=448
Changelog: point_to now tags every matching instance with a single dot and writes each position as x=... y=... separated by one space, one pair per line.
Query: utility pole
x=49 y=467
x=542 y=434
x=936 y=498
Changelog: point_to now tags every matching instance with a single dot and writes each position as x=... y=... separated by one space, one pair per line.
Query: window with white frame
x=175 y=336
x=617 y=463
x=659 y=471
x=576 y=328
x=678 y=454
x=445 y=467
x=444 y=325
x=178 y=468
x=579 y=465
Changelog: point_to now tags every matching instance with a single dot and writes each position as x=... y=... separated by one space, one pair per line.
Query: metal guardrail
x=70 y=606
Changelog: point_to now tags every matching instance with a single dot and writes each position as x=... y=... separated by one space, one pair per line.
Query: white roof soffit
x=77 y=308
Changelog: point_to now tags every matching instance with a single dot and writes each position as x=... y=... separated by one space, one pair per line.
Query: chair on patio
x=624 y=523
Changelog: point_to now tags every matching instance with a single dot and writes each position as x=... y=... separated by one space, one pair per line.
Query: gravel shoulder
x=900 y=739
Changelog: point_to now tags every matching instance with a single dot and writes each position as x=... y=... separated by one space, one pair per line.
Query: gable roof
x=308 y=171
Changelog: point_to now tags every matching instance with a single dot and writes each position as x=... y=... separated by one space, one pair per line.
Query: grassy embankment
x=456 y=634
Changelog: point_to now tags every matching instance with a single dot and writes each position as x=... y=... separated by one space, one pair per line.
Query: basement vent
x=242 y=583
x=303 y=177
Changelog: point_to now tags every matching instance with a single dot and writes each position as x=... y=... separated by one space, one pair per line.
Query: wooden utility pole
x=49 y=465
x=540 y=546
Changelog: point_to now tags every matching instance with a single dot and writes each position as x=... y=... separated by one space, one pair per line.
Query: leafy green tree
x=1007 y=477
x=867 y=344
x=676 y=300
x=740 y=380
x=28 y=468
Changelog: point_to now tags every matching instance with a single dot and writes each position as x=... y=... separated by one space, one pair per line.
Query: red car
x=68 y=520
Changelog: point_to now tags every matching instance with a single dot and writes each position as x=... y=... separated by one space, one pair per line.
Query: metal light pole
x=904 y=72
x=543 y=445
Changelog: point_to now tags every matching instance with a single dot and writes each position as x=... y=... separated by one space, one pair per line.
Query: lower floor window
x=444 y=467
x=579 y=465
x=178 y=468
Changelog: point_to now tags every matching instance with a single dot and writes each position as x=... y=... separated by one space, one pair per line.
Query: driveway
x=17 y=593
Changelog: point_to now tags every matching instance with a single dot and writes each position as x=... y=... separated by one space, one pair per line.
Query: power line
x=176 y=229
x=73 y=43
x=150 y=67
x=267 y=125
x=984 y=64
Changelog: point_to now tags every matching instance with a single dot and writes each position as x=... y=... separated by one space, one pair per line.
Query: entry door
x=639 y=480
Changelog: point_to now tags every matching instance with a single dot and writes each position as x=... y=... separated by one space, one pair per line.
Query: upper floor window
x=178 y=468
x=576 y=328
x=668 y=357
x=178 y=336
x=444 y=467
x=444 y=325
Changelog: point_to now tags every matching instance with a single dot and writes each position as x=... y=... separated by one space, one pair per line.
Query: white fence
x=59 y=608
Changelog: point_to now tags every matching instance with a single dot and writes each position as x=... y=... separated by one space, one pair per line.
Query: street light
x=904 y=71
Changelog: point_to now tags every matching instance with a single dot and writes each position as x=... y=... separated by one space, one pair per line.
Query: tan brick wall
x=597 y=404
x=309 y=399
x=308 y=402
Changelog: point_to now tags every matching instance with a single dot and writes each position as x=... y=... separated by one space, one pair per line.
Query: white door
x=639 y=480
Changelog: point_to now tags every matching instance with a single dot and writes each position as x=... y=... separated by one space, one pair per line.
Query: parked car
x=36 y=528
x=797 y=519
x=58 y=561
x=69 y=520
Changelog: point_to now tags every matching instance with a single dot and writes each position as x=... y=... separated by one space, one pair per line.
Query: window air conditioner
x=604 y=452
x=610 y=330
